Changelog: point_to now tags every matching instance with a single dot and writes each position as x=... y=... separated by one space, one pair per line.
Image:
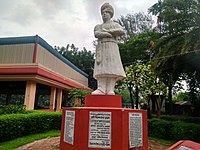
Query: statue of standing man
x=108 y=67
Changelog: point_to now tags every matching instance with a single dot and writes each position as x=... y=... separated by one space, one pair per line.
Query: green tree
x=143 y=82
x=134 y=52
x=125 y=96
x=153 y=87
x=83 y=59
x=194 y=85
x=135 y=24
x=136 y=47
x=181 y=96
x=77 y=93
x=179 y=27
x=139 y=49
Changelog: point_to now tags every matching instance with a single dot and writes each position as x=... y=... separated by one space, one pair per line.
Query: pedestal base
x=103 y=128
x=185 y=145
x=103 y=101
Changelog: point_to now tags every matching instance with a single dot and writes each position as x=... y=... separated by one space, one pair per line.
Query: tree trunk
x=170 y=86
x=170 y=109
x=131 y=95
x=149 y=108
x=193 y=95
x=137 y=96
x=8 y=98
x=153 y=100
x=159 y=103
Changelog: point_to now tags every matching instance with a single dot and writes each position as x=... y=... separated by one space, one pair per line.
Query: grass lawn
x=10 y=145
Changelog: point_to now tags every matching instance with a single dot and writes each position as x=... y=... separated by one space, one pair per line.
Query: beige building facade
x=29 y=66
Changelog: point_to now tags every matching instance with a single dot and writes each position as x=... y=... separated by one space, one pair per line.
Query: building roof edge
x=43 y=43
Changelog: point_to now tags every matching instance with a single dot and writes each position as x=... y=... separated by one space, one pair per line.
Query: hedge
x=17 y=125
x=181 y=118
x=173 y=130
x=12 y=109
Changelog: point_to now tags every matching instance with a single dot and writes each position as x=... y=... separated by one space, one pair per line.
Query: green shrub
x=173 y=130
x=12 y=109
x=159 y=128
x=185 y=131
x=18 y=125
x=181 y=118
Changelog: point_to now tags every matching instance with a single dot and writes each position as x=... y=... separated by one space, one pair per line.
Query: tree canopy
x=83 y=59
x=135 y=24
x=179 y=41
x=138 y=49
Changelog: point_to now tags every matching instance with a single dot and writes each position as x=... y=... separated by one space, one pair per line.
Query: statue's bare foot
x=98 y=92
x=111 y=93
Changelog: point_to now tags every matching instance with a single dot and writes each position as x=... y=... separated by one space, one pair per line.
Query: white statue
x=108 y=67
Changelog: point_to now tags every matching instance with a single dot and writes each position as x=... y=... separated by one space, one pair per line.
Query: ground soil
x=53 y=144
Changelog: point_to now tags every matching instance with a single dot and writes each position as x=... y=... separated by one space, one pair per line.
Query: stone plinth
x=103 y=128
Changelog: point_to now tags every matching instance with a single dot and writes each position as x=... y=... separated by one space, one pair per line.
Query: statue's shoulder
x=98 y=26
x=116 y=24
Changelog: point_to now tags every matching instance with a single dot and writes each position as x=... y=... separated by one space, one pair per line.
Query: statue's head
x=108 y=8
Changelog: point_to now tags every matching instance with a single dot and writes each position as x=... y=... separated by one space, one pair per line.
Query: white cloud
x=61 y=22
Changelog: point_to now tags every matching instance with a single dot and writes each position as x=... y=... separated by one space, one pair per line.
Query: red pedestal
x=103 y=128
x=186 y=144
x=103 y=101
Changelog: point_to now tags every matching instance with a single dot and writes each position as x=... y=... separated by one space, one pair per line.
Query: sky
x=61 y=22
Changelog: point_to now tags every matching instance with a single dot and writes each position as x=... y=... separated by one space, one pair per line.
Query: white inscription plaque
x=135 y=130
x=184 y=148
x=100 y=130
x=69 y=127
